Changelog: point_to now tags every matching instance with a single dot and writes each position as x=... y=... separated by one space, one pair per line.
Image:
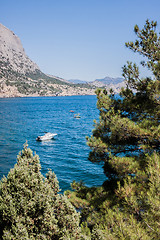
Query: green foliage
x=38 y=75
x=147 y=44
x=127 y=140
x=131 y=212
x=30 y=206
x=129 y=126
x=35 y=82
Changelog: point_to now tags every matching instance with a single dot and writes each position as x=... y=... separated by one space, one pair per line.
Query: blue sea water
x=24 y=119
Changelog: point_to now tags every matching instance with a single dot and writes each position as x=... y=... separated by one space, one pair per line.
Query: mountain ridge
x=20 y=76
x=110 y=80
x=11 y=50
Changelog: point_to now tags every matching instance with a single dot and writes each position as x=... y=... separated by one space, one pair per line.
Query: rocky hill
x=19 y=76
x=13 y=54
x=109 y=80
x=115 y=83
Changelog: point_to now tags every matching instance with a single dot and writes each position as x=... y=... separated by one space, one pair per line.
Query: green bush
x=127 y=140
x=30 y=206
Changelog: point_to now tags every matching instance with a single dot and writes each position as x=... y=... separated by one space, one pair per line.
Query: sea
x=23 y=119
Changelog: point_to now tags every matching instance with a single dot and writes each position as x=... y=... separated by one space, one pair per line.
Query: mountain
x=115 y=83
x=13 y=54
x=77 y=81
x=109 y=80
x=20 y=76
x=58 y=78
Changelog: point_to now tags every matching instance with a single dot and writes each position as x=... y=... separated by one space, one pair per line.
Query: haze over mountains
x=104 y=81
x=20 y=76
x=109 y=80
x=77 y=81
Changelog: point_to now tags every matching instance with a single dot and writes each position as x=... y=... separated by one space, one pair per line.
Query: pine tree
x=127 y=140
x=30 y=206
x=129 y=127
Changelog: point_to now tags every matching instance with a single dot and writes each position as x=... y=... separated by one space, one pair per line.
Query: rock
x=12 y=52
x=20 y=76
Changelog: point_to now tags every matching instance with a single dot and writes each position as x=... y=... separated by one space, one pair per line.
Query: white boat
x=47 y=136
x=77 y=116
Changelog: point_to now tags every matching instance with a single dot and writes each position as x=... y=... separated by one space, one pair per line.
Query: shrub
x=30 y=206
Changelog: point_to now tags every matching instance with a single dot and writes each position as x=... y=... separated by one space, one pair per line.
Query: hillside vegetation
x=126 y=139
x=19 y=76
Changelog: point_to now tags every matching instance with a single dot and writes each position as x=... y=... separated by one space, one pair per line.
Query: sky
x=79 y=39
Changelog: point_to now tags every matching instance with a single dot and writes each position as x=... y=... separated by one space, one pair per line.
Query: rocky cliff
x=19 y=76
x=115 y=83
x=12 y=53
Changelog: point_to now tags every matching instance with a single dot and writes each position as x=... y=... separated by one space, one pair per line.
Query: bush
x=30 y=206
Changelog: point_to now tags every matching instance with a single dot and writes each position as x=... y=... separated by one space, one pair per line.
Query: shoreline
x=36 y=96
x=12 y=91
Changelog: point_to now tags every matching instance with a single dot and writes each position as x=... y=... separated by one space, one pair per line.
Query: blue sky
x=78 y=39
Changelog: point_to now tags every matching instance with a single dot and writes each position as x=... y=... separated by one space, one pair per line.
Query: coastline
x=12 y=92
x=36 y=96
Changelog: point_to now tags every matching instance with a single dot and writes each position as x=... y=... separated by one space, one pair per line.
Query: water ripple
x=24 y=119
